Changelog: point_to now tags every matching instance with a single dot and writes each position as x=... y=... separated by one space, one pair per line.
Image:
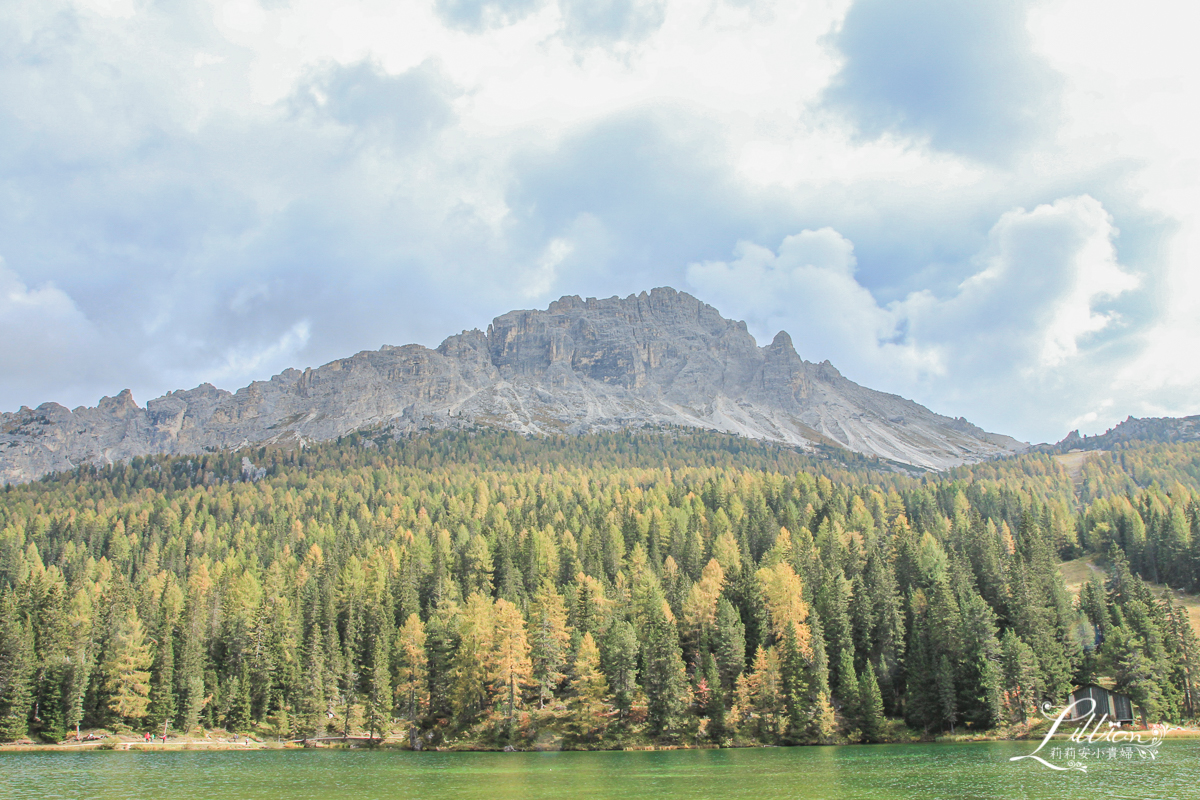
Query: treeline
x=602 y=589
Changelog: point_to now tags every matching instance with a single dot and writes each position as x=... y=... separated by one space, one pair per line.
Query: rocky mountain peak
x=661 y=358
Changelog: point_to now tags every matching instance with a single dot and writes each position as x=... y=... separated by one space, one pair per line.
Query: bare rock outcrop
x=661 y=357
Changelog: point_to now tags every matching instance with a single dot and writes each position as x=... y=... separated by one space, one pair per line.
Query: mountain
x=1150 y=429
x=658 y=358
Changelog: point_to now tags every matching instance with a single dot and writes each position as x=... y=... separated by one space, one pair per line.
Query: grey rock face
x=661 y=357
x=1148 y=429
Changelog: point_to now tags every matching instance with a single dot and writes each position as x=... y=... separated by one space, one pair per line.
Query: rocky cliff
x=1133 y=429
x=661 y=357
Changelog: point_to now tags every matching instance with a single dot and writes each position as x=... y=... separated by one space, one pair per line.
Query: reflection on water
x=894 y=772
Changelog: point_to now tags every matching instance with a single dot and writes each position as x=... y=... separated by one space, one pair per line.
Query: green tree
x=619 y=659
x=849 y=692
x=16 y=669
x=730 y=644
x=549 y=639
x=663 y=674
x=872 y=722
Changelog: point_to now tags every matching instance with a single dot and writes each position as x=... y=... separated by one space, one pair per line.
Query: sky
x=990 y=207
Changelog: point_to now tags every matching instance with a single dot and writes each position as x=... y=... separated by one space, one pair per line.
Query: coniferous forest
x=485 y=589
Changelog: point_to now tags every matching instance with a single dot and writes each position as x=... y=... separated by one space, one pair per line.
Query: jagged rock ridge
x=1133 y=429
x=661 y=357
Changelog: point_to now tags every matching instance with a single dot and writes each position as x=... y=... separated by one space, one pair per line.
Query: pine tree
x=663 y=674
x=441 y=645
x=764 y=697
x=1133 y=671
x=849 y=692
x=313 y=705
x=730 y=644
x=377 y=669
x=549 y=639
x=795 y=685
x=190 y=671
x=979 y=674
x=1020 y=671
x=46 y=597
x=162 y=677
x=619 y=660
x=16 y=669
x=711 y=697
x=237 y=716
x=921 y=706
x=872 y=723
x=947 y=700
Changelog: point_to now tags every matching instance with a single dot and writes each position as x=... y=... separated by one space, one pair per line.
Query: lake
x=894 y=772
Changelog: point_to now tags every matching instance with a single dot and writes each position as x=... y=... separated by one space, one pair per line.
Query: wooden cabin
x=1117 y=706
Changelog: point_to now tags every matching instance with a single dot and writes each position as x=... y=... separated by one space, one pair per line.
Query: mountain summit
x=655 y=358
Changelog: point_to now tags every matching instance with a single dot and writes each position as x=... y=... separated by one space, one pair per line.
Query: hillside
x=484 y=589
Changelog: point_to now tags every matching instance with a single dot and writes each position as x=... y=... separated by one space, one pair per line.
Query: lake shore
x=224 y=741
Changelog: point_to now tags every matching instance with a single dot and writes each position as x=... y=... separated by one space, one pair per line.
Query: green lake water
x=894 y=772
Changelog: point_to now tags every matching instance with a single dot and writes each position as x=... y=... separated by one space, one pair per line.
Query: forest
x=485 y=589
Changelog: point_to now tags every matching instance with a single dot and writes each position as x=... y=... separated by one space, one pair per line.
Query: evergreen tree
x=619 y=659
x=441 y=636
x=549 y=639
x=377 y=669
x=872 y=722
x=1020 y=677
x=162 y=676
x=237 y=717
x=663 y=675
x=190 y=670
x=730 y=644
x=979 y=675
x=16 y=669
x=849 y=691
x=947 y=700
x=711 y=697
x=1134 y=673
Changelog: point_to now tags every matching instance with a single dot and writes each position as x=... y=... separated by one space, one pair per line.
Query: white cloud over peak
x=1029 y=329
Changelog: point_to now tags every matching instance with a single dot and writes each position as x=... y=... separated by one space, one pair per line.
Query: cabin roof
x=1107 y=684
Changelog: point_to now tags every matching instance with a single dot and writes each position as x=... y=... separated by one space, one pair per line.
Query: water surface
x=892 y=772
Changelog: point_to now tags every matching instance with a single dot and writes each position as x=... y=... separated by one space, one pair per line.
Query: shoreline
x=400 y=745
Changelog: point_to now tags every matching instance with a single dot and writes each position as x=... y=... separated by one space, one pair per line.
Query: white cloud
x=1027 y=330
x=242 y=364
x=809 y=289
x=46 y=339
